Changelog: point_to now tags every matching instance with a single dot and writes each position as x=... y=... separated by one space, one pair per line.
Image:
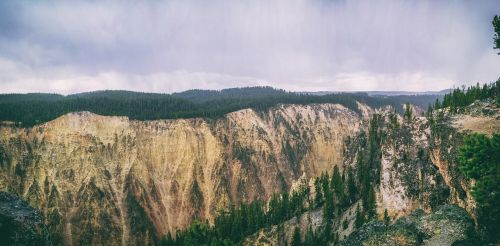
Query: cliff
x=111 y=180
x=416 y=181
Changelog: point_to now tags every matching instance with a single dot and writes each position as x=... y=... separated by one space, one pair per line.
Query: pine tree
x=479 y=159
x=496 y=27
x=374 y=152
x=328 y=209
x=387 y=219
x=337 y=185
x=168 y=240
x=296 y=237
x=359 y=218
x=370 y=205
x=408 y=115
x=318 y=198
x=351 y=185
x=309 y=238
x=437 y=104
x=327 y=232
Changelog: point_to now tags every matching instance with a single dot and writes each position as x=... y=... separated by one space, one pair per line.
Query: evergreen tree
x=327 y=232
x=370 y=205
x=387 y=219
x=358 y=222
x=479 y=159
x=351 y=186
x=318 y=198
x=374 y=153
x=328 y=209
x=437 y=104
x=168 y=240
x=309 y=237
x=459 y=98
x=296 y=237
x=496 y=27
x=336 y=182
x=408 y=115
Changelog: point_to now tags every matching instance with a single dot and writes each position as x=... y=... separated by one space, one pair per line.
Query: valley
x=111 y=180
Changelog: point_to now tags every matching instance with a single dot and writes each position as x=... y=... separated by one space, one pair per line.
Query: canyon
x=111 y=180
x=115 y=181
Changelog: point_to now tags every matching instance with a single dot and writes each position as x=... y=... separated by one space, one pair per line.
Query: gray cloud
x=167 y=46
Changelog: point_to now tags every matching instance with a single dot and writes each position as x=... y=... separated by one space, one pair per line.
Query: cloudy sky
x=168 y=46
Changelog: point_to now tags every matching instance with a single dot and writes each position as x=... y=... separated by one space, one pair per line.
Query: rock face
x=448 y=225
x=111 y=180
x=409 y=180
x=21 y=224
x=311 y=220
x=418 y=174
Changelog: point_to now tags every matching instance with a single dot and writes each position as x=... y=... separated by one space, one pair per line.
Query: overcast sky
x=316 y=45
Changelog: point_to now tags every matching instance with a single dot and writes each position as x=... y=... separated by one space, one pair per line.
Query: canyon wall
x=111 y=180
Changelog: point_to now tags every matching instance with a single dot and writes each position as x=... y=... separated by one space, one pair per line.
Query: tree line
x=461 y=97
x=31 y=109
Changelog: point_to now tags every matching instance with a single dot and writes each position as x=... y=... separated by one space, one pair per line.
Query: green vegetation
x=369 y=169
x=387 y=219
x=479 y=159
x=296 y=237
x=463 y=97
x=496 y=27
x=408 y=115
x=32 y=109
x=235 y=224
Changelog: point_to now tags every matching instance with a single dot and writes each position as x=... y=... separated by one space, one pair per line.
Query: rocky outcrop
x=111 y=180
x=21 y=224
x=342 y=226
x=448 y=225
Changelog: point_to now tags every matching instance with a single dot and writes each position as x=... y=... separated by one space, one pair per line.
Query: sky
x=317 y=45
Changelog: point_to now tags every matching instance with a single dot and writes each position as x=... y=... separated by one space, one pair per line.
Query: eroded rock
x=20 y=224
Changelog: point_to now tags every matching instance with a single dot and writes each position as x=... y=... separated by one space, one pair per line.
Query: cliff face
x=110 y=180
x=419 y=168
x=418 y=175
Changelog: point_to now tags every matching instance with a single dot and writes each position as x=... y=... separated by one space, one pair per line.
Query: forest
x=459 y=98
x=30 y=109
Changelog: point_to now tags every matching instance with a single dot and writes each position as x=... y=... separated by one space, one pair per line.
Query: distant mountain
x=118 y=94
x=17 y=97
x=417 y=93
x=244 y=92
x=385 y=93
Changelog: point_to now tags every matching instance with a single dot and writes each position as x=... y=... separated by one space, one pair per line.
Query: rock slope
x=419 y=176
x=21 y=224
x=448 y=225
x=111 y=180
